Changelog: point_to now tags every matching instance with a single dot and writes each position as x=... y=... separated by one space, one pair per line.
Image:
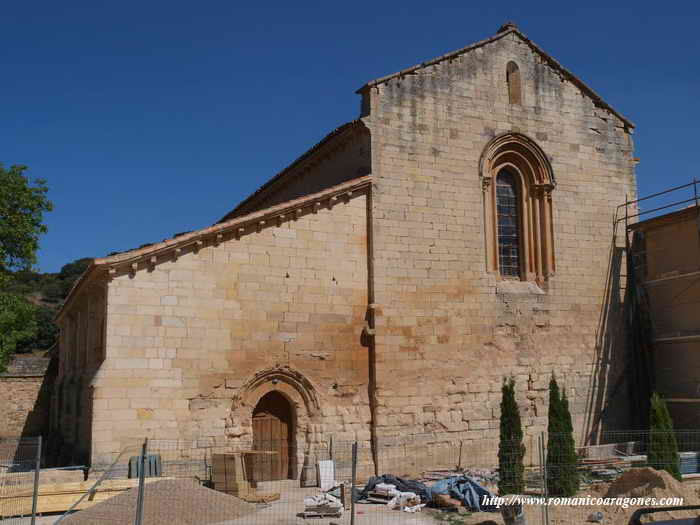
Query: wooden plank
x=260 y=497
x=46 y=475
x=319 y=514
x=59 y=497
x=49 y=489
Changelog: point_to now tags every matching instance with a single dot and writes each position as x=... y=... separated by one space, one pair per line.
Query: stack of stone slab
x=322 y=506
x=229 y=474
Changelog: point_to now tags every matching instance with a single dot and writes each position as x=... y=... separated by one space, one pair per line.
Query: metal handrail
x=627 y=216
x=661 y=208
x=688 y=185
x=634 y=519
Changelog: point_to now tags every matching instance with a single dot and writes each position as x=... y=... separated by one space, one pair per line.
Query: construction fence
x=20 y=462
x=424 y=479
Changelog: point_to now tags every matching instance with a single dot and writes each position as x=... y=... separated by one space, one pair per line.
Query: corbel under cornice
x=133 y=261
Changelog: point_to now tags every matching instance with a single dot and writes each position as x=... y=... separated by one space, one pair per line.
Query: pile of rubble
x=483 y=476
x=396 y=499
x=321 y=506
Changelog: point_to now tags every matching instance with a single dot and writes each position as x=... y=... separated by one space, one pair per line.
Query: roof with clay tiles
x=151 y=254
x=26 y=366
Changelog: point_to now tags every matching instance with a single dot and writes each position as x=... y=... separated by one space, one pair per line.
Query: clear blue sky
x=154 y=117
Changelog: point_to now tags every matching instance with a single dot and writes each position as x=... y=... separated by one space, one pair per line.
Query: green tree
x=663 y=448
x=46 y=331
x=70 y=272
x=511 y=450
x=17 y=323
x=22 y=207
x=562 y=473
x=569 y=467
x=47 y=292
x=554 y=430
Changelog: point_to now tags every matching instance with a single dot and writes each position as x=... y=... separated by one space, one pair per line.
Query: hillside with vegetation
x=46 y=292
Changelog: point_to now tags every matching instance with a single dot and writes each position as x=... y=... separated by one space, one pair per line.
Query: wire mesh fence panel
x=625 y=471
x=19 y=460
x=619 y=451
x=276 y=482
x=262 y=482
x=107 y=496
x=417 y=480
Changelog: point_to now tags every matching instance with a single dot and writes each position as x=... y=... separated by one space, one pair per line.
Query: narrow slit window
x=513 y=80
x=508 y=224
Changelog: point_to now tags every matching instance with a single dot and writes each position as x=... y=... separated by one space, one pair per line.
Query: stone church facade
x=383 y=285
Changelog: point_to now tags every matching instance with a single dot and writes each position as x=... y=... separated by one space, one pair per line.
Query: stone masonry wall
x=17 y=406
x=187 y=338
x=447 y=330
x=24 y=398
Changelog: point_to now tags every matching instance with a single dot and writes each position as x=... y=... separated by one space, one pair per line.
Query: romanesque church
x=383 y=284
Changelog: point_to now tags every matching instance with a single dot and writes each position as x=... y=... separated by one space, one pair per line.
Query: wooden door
x=272 y=432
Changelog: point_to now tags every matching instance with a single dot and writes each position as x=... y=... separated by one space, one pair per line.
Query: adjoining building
x=25 y=396
x=381 y=286
x=665 y=263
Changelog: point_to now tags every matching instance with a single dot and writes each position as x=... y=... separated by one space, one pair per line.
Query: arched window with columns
x=517 y=182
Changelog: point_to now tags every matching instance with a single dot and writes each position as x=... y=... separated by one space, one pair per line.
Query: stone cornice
x=148 y=257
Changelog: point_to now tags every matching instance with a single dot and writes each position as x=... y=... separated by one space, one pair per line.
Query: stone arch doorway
x=274 y=432
x=299 y=392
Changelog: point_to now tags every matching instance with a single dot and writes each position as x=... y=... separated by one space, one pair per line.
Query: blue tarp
x=465 y=489
x=402 y=485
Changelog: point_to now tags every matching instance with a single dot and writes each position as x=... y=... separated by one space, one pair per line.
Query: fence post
x=142 y=475
x=459 y=461
x=37 y=470
x=352 y=483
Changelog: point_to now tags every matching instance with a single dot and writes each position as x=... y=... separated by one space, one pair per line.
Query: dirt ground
x=285 y=510
x=636 y=483
x=640 y=483
x=281 y=512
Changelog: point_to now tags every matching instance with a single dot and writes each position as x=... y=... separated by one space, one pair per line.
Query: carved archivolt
x=522 y=157
x=294 y=385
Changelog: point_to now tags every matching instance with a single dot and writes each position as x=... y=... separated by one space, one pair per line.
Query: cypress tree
x=554 y=430
x=511 y=450
x=562 y=474
x=663 y=448
x=569 y=474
